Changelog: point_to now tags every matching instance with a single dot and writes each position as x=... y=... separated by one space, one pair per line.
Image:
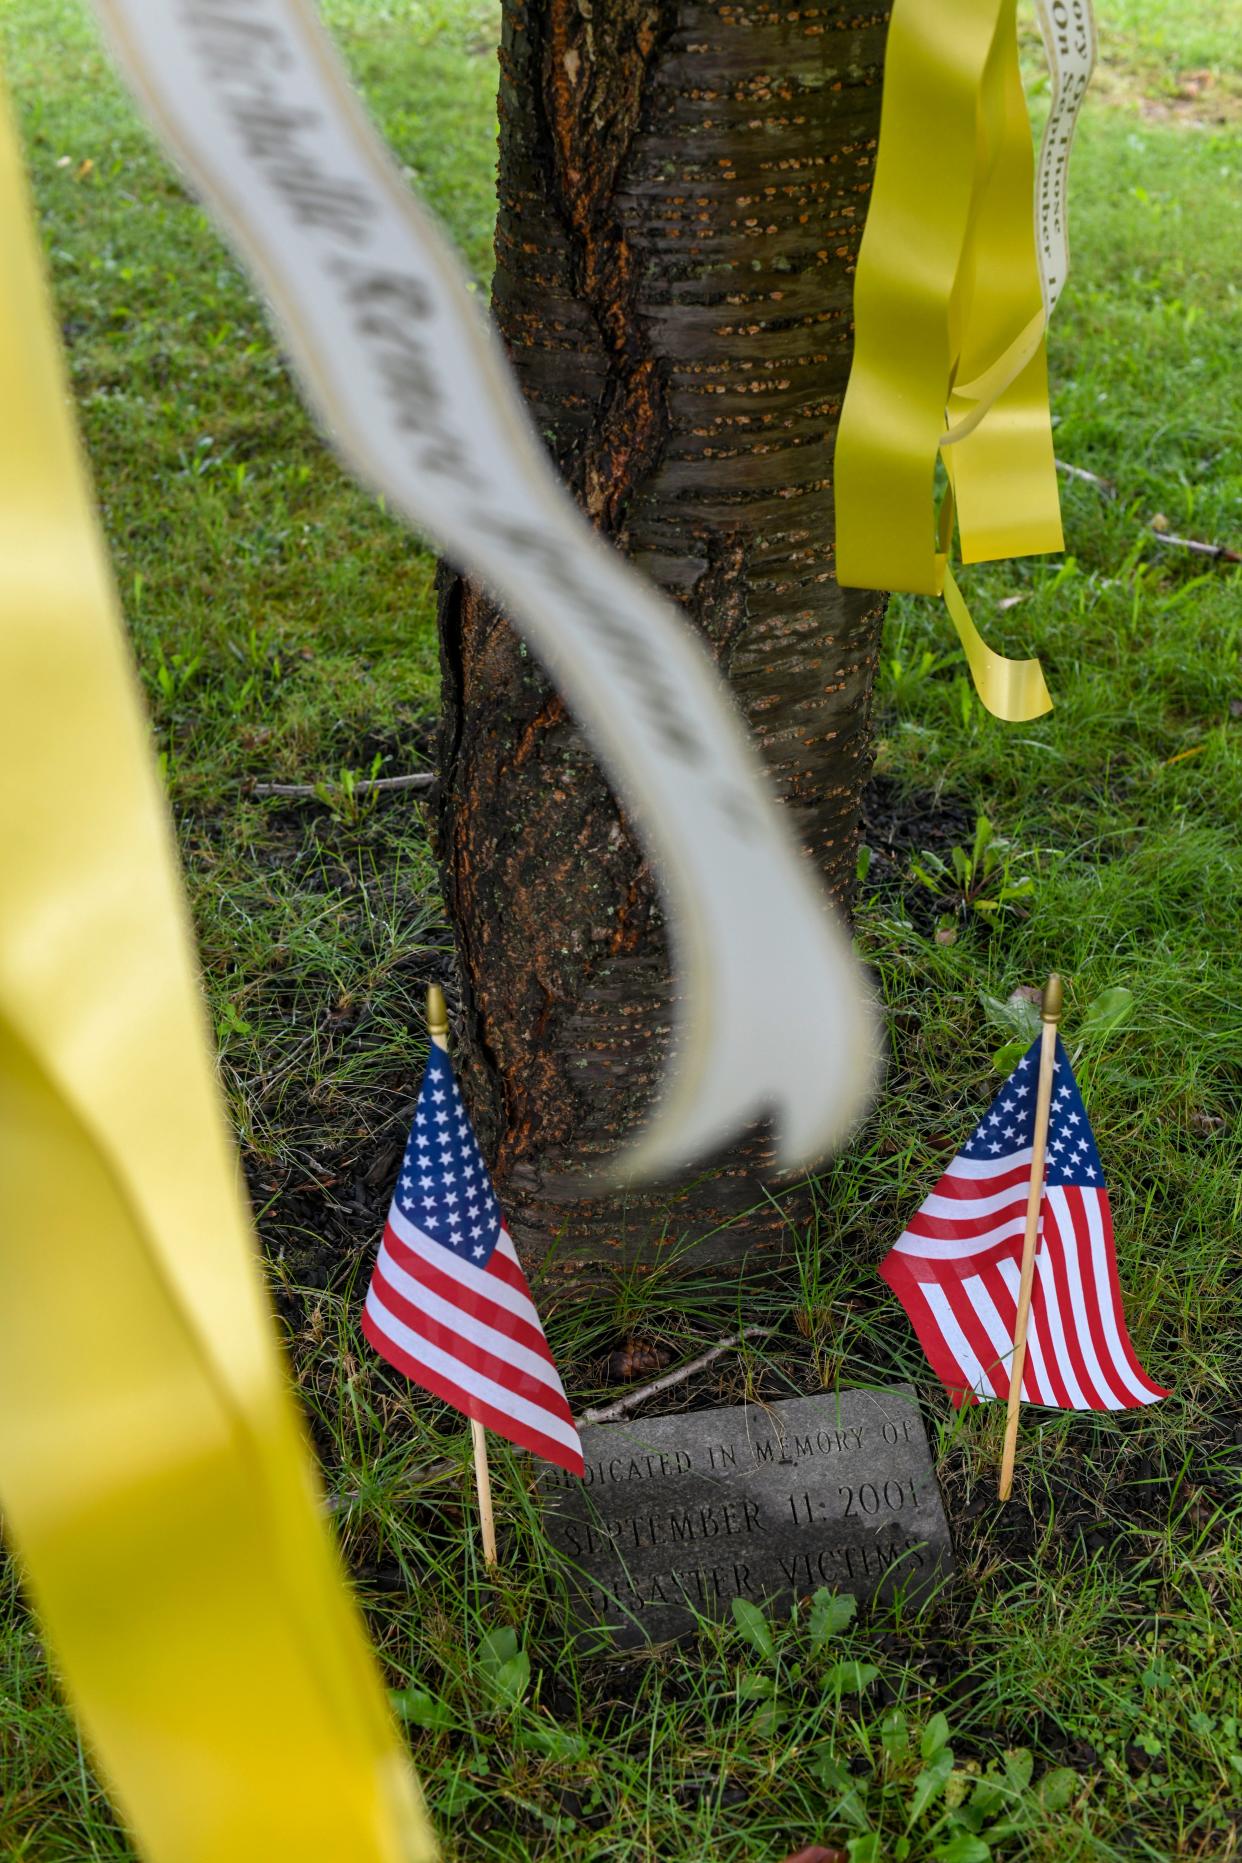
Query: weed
x=979 y=878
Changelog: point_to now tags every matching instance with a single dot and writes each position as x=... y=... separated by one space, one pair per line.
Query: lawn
x=1086 y=1656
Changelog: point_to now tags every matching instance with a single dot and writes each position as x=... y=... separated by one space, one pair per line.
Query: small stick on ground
x=599 y=1413
x=1088 y=478
x=421 y=779
x=608 y=1413
x=1219 y=552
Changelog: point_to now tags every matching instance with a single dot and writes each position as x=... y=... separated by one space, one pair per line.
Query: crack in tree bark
x=682 y=189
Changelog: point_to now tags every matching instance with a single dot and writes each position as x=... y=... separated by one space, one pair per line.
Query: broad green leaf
x=1056 y=1788
x=756 y=1688
x=935 y=1736
x=510 y=1682
x=1017 y=1017
x=766 y=1719
x=850 y=1678
x=989 y=1795
x=930 y=1782
x=963 y=1848
x=835 y=1776
x=497 y=1647
x=865 y=1849
x=754 y=1626
x=831 y=1613
x=1006 y=1059
x=1106 y=1012
x=420 y=1708
x=853 y=1809
x=1018 y=1767
x=894 y=1734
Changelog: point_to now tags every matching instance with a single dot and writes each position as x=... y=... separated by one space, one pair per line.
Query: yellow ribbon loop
x=151 y=1466
x=950 y=323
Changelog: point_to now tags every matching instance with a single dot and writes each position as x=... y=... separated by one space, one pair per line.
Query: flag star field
x=448 y=1302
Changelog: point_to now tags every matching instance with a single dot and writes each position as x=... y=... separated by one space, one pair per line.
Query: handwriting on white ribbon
x=1068 y=28
x=774 y=1018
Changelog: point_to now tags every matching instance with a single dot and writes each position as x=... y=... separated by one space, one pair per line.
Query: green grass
x=284 y=629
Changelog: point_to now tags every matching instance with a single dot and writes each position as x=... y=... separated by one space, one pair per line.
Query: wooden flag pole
x=483 y=1483
x=437 y=1029
x=1051 y=1014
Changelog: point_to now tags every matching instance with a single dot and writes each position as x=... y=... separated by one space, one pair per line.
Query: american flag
x=957 y=1267
x=448 y=1303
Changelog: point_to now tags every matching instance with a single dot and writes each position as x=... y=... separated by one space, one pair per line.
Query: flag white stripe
x=465 y=1325
x=501 y=1397
x=956 y=1340
x=1108 y=1313
x=960 y=1209
x=973 y=1170
x=464 y=1272
x=943 y=1248
x=1055 y=1197
x=1011 y=1275
x=1056 y=1328
x=975 y=1290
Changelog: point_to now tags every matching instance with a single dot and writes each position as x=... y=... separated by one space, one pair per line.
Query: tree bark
x=682 y=189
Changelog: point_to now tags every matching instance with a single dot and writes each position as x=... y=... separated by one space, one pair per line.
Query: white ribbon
x=1068 y=29
x=774 y=1017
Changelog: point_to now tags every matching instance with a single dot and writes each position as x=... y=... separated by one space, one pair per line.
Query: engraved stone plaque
x=680 y=1515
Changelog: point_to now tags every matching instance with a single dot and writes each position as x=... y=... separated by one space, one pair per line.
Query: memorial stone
x=678 y=1516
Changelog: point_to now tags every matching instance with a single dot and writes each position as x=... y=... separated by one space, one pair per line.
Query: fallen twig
x=1219 y=552
x=422 y=779
x=1088 y=478
x=608 y=1413
x=342 y=1499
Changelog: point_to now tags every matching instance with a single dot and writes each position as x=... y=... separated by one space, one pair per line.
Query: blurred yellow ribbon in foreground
x=151 y=1467
x=949 y=357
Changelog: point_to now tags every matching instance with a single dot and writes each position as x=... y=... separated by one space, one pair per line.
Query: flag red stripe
x=473 y=1301
x=965 y=1188
x=474 y=1407
x=1054 y=1243
x=1091 y=1299
x=487 y=1364
x=895 y=1269
x=1126 y=1398
x=958 y=1267
x=508 y=1269
x=963 y=1228
x=976 y=1334
x=1114 y=1282
x=1042 y=1318
x=1006 y=1303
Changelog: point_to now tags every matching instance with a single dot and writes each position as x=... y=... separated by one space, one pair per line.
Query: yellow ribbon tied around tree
x=949 y=356
x=152 y=1471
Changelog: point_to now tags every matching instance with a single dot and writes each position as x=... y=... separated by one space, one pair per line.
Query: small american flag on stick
x=448 y=1303
x=957 y=1268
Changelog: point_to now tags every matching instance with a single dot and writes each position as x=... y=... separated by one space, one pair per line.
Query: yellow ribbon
x=151 y=1465
x=949 y=357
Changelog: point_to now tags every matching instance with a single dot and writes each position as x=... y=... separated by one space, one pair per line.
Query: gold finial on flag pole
x=437 y=1028
x=437 y=1016
x=1051 y=1014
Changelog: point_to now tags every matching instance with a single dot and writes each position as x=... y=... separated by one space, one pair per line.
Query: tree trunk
x=682 y=190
